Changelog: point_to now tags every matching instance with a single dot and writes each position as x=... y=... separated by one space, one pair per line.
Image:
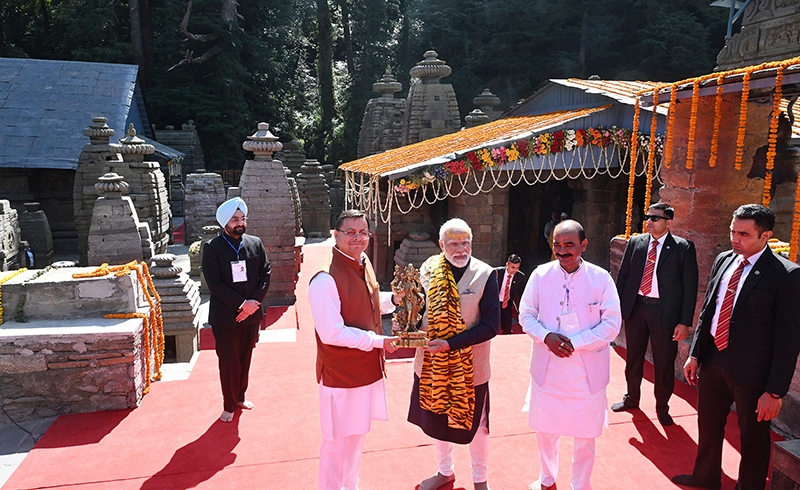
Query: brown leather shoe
x=537 y=485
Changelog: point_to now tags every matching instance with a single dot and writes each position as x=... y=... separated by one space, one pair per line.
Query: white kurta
x=568 y=395
x=356 y=407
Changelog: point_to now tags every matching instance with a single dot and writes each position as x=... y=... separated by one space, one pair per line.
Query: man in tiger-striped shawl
x=450 y=397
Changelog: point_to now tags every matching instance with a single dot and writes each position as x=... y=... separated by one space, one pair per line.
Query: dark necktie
x=724 y=321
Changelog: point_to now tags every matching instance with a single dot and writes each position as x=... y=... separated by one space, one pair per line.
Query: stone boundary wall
x=50 y=368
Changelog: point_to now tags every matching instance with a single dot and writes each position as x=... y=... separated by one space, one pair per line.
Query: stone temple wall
x=62 y=356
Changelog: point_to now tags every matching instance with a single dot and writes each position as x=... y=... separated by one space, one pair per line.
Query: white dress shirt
x=654 y=284
x=723 y=285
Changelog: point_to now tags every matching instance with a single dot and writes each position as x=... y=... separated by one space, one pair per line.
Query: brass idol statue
x=407 y=314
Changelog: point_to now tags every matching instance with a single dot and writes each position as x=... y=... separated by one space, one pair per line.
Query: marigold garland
x=651 y=156
x=742 y=121
x=692 y=124
x=4 y=280
x=673 y=97
x=793 y=243
x=712 y=159
x=633 y=156
x=153 y=324
x=773 y=135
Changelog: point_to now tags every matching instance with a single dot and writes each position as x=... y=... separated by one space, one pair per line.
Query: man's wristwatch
x=774 y=396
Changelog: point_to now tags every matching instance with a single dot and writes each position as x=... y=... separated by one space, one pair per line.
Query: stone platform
x=54 y=367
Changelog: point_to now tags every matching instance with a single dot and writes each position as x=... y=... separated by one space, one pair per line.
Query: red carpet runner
x=174 y=440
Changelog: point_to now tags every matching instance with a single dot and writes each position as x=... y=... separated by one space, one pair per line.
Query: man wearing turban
x=237 y=272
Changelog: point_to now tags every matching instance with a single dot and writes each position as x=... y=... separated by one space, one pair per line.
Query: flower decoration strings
x=632 y=177
x=153 y=324
x=651 y=155
x=712 y=159
x=692 y=124
x=742 y=121
x=673 y=97
x=773 y=135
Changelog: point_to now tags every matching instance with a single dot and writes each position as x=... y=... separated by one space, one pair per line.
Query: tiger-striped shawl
x=446 y=383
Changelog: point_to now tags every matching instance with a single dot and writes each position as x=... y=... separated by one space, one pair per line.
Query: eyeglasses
x=654 y=219
x=364 y=235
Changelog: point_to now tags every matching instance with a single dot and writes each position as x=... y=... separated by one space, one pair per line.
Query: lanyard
x=234 y=248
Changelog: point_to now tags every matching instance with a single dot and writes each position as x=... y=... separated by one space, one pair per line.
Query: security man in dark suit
x=744 y=350
x=237 y=272
x=511 y=283
x=657 y=286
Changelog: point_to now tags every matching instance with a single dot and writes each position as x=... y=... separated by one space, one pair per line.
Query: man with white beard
x=450 y=396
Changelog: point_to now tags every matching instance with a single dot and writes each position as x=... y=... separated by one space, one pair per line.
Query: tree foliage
x=307 y=66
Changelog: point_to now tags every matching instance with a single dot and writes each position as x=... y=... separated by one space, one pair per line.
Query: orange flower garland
x=742 y=121
x=692 y=124
x=153 y=323
x=795 y=225
x=652 y=153
x=145 y=341
x=712 y=160
x=632 y=177
x=673 y=97
x=773 y=135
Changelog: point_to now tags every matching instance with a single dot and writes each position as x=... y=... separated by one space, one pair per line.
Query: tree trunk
x=348 y=41
x=325 y=76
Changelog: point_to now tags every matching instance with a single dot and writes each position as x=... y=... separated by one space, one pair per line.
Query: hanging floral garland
x=692 y=124
x=633 y=156
x=773 y=135
x=742 y=120
x=673 y=97
x=153 y=324
x=795 y=225
x=712 y=159
x=651 y=155
x=543 y=145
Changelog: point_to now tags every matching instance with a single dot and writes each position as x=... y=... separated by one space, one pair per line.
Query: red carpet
x=174 y=439
x=179 y=233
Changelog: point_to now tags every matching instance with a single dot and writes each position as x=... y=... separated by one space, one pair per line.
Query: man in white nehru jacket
x=237 y=272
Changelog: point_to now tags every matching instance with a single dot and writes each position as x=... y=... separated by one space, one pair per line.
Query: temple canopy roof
x=404 y=160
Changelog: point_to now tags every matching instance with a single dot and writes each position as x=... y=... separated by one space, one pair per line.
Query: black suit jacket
x=676 y=272
x=764 y=332
x=517 y=286
x=226 y=295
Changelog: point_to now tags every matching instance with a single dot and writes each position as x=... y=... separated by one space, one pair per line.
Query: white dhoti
x=564 y=406
x=345 y=418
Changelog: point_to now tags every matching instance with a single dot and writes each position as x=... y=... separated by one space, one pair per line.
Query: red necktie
x=506 y=291
x=724 y=321
x=649 y=268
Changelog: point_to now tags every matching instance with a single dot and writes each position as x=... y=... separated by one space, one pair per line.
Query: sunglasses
x=654 y=219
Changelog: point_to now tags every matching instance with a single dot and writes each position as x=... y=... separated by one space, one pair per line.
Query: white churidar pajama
x=478 y=452
x=567 y=396
x=345 y=414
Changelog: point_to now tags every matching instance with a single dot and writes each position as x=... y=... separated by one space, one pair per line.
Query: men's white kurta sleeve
x=529 y=309
x=610 y=319
x=387 y=306
x=326 y=308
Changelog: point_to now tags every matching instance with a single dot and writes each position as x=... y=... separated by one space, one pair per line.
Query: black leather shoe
x=691 y=481
x=665 y=419
x=624 y=405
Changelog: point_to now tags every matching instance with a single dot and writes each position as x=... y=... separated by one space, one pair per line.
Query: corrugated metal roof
x=46 y=104
x=620 y=90
x=451 y=146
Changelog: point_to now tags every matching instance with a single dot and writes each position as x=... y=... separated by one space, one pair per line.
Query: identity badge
x=239 y=271
x=569 y=324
